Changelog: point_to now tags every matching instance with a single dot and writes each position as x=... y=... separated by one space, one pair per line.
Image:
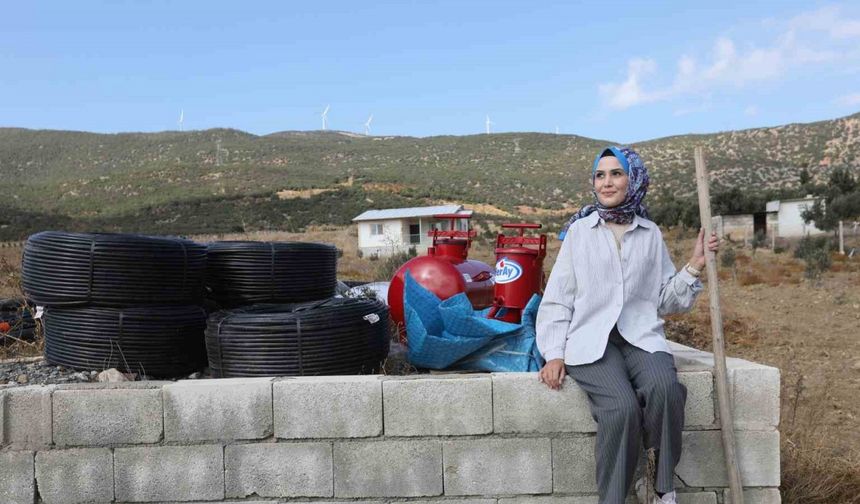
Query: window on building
x=376 y=229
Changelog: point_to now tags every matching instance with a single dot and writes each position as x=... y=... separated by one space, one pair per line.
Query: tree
x=840 y=201
x=805 y=177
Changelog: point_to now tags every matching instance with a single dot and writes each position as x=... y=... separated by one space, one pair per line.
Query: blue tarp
x=451 y=335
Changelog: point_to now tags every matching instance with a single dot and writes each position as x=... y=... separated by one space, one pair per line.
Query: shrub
x=728 y=259
x=758 y=240
x=815 y=252
x=386 y=268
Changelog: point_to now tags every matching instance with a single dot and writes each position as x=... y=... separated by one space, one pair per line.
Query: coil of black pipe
x=16 y=321
x=245 y=272
x=104 y=269
x=335 y=336
x=160 y=341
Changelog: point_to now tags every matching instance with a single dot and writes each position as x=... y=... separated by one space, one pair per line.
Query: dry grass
x=694 y=329
x=812 y=473
x=749 y=278
x=10 y=287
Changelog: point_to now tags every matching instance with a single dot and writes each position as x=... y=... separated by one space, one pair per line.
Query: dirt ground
x=771 y=314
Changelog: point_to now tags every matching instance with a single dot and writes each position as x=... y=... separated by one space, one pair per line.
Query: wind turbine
x=556 y=130
x=181 y=118
x=489 y=122
x=325 y=117
x=367 y=125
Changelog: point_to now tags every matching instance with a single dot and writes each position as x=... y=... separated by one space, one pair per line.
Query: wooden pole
x=723 y=399
x=841 y=239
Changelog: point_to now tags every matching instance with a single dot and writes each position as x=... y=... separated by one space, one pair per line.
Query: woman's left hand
x=698 y=259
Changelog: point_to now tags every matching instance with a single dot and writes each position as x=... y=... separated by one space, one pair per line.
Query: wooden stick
x=723 y=399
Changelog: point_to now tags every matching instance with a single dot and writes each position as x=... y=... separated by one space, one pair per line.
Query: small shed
x=787 y=217
x=385 y=232
x=742 y=227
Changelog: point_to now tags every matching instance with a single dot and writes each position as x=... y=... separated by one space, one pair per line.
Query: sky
x=621 y=71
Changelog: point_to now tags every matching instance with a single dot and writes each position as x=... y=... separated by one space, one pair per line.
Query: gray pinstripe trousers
x=632 y=392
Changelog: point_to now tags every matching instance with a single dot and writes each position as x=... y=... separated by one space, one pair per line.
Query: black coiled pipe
x=75 y=269
x=160 y=341
x=245 y=272
x=335 y=336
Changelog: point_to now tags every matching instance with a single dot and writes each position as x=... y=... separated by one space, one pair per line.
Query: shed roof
x=407 y=213
x=773 y=206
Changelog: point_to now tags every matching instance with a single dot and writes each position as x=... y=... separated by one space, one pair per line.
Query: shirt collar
x=637 y=221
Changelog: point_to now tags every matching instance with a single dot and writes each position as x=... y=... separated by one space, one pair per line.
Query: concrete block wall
x=498 y=438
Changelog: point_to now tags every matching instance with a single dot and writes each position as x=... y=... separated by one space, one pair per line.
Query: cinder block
x=438 y=406
x=17 y=484
x=699 y=410
x=388 y=469
x=75 y=476
x=328 y=407
x=550 y=499
x=99 y=417
x=338 y=502
x=703 y=464
x=573 y=465
x=697 y=498
x=225 y=409
x=279 y=470
x=455 y=501
x=246 y=502
x=26 y=418
x=755 y=397
x=754 y=387
x=497 y=466
x=756 y=496
x=169 y=473
x=522 y=404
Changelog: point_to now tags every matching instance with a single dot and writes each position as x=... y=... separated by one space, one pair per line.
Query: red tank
x=453 y=246
x=446 y=270
x=519 y=271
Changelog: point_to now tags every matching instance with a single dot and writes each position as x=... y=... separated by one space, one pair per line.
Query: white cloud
x=629 y=92
x=829 y=20
x=798 y=46
x=849 y=100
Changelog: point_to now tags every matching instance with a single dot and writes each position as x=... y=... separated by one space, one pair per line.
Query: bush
x=386 y=268
x=727 y=258
x=815 y=252
x=758 y=240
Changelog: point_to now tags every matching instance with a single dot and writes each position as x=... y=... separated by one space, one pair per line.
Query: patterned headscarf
x=637 y=187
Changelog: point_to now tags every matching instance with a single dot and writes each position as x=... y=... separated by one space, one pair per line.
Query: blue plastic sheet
x=451 y=335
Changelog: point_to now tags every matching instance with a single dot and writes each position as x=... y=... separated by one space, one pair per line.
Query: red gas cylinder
x=453 y=246
x=446 y=270
x=519 y=271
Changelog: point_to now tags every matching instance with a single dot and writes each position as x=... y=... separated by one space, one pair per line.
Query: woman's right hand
x=552 y=374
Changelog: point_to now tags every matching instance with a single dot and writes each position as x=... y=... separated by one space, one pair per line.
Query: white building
x=789 y=223
x=384 y=232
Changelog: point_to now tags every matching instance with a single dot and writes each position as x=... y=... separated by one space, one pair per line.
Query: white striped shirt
x=592 y=288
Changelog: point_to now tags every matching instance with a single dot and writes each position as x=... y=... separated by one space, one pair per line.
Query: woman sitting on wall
x=599 y=322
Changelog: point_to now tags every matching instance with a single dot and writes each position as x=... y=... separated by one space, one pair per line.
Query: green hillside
x=177 y=182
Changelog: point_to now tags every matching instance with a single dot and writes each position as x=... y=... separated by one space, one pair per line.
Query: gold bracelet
x=691 y=270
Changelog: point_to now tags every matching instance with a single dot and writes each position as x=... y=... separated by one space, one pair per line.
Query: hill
x=225 y=180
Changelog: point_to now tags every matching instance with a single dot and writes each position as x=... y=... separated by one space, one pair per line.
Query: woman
x=599 y=321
